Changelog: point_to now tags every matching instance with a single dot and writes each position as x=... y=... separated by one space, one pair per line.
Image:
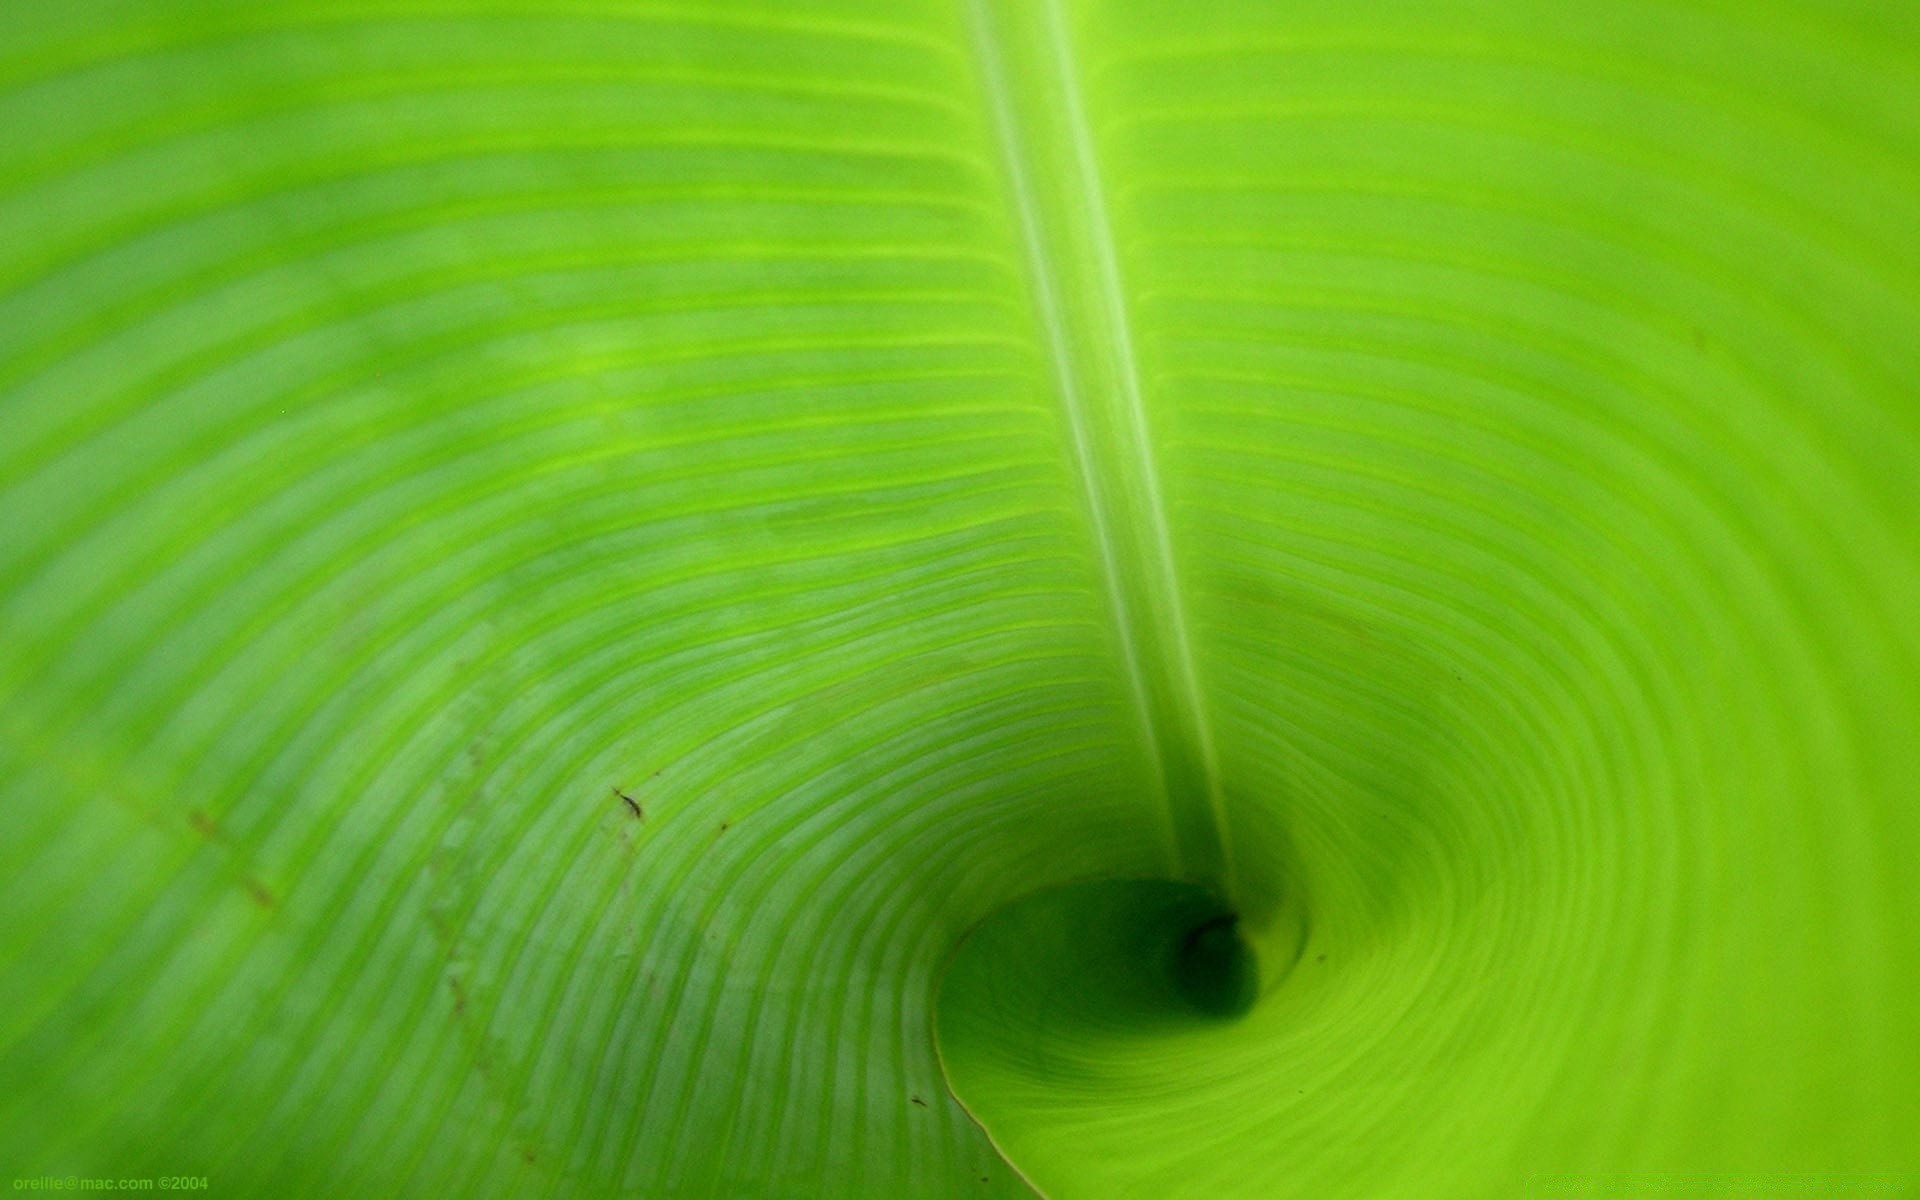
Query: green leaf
x=757 y=600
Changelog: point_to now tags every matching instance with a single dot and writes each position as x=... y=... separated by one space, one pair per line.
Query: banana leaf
x=960 y=598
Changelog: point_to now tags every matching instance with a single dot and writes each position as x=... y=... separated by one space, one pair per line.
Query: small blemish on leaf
x=203 y=824
x=918 y=1100
x=633 y=805
x=258 y=892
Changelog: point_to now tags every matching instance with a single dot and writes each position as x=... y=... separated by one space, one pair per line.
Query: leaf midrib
x=1033 y=91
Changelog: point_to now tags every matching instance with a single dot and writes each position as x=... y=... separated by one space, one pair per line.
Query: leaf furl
x=1044 y=508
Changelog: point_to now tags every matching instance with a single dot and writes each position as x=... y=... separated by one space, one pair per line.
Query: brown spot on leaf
x=258 y=892
x=918 y=1100
x=203 y=824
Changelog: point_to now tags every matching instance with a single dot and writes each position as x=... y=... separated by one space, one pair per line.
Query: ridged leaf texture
x=952 y=598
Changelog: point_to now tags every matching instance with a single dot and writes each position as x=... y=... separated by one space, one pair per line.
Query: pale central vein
x=1075 y=276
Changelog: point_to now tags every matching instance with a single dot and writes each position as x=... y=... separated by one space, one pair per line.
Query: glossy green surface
x=1442 y=479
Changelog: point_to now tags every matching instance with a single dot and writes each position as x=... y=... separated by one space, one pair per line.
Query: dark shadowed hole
x=1216 y=970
